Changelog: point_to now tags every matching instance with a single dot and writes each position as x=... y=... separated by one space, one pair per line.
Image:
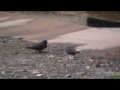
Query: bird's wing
x=37 y=45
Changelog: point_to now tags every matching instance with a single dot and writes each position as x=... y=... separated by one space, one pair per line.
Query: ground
x=18 y=62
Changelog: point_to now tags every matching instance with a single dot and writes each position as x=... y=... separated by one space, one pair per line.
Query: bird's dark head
x=45 y=41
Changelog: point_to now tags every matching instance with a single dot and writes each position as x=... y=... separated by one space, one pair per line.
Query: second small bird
x=71 y=51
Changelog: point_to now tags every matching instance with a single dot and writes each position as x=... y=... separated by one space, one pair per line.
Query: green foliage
x=115 y=76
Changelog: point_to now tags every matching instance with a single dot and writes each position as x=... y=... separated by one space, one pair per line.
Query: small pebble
x=39 y=75
x=3 y=72
x=87 y=67
x=68 y=75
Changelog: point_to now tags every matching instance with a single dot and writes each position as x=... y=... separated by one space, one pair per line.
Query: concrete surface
x=36 y=28
x=95 y=38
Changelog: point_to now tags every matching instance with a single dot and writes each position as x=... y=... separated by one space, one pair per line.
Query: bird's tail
x=77 y=51
x=29 y=47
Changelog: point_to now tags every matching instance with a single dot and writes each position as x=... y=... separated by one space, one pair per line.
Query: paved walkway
x=38 y=28
x=94 y=38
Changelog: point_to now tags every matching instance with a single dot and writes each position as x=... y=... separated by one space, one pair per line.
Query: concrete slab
x=95 y=38
x=4 y=18
x=14 y=22
x=37 y=29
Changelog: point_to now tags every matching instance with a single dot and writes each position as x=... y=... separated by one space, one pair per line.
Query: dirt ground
x=17 y=62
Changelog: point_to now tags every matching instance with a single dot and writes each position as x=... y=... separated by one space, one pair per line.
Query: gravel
x=18 y=62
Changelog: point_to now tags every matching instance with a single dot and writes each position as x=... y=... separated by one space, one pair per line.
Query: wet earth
x=18 y=62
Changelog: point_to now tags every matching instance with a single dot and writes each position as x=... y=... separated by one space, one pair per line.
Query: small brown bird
x=39 y=46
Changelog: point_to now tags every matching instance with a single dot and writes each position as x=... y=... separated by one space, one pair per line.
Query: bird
x=71 y=51
x=39 y=46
